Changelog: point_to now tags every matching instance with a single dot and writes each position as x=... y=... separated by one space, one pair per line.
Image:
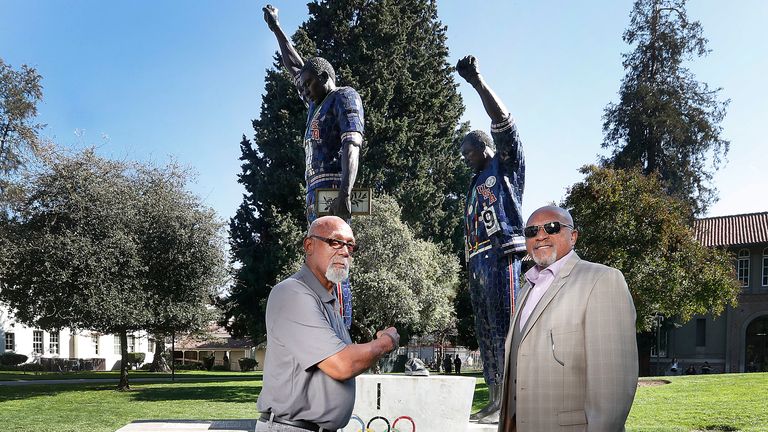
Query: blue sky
x=148 y=80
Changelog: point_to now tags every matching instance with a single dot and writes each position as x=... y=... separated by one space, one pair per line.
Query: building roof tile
x=734 y=230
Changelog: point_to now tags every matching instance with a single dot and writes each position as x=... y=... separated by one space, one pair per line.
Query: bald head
x=563 y=215
x=327 y=225
x=327 y=249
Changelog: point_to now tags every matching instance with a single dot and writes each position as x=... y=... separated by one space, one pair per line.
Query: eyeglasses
x=338 y=244
x=549 y=228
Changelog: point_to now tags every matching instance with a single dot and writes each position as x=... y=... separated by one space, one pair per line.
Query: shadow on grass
x=230 y=394
x=149 y=392
x=42 y=390
x=719 y=428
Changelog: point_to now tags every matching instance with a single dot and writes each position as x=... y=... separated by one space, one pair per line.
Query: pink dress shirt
x=540 y=280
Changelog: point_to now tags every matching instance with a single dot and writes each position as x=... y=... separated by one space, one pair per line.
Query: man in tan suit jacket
x=571 y=352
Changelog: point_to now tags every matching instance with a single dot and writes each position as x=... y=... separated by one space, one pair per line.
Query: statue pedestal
x=438 y=403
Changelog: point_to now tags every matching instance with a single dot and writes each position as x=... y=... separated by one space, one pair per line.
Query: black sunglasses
x=338 y=244
x=549 y=228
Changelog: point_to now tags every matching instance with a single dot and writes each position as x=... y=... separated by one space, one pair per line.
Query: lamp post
x=659 y=318
x=173 y=353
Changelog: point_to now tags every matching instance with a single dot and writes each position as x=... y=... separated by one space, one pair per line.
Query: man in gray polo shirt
x=311 y=362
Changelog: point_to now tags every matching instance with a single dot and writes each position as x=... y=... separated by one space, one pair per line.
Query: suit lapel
x=552 y=291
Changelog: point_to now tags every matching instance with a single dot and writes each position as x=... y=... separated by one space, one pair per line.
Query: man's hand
x=390 y=332
x=341 y=206
x=270 y=16
x=468 y=69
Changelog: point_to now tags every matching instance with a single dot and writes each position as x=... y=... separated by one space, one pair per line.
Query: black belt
x=295 y=423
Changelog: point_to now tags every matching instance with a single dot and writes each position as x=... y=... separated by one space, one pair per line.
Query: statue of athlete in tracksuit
x=493 y=224
x=333 y=135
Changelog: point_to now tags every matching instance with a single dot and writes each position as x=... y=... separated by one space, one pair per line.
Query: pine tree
x=394 y=54
x=666 y=121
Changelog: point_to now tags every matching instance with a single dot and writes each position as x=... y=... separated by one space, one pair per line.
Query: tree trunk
x=159 y=363
x=123 y=385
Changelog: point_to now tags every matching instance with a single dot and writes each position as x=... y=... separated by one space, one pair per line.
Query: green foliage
x=181 y=244
x=465 y=317
x=190 y=366
x=247 y=364
x=12 y=359
x=20 y=91
x=627 y=221
x=398 y=279
x=111 y=246
x=77 y=262
x=135 y=358
x=666 y=121
x=25 y=367
x=394 y=54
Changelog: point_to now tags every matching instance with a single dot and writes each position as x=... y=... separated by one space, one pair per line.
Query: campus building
x=83 y=350
x=737 y=340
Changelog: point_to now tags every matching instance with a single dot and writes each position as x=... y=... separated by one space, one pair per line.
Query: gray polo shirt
x=304 y=328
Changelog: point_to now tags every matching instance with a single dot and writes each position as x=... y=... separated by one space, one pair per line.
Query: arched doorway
x=756 y=345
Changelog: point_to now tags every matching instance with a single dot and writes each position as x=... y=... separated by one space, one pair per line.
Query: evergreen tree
x=666 y=121
x=394 y=54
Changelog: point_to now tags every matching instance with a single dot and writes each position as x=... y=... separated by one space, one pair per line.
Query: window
x=701 y=332
x=117 y=344
x=765 y=267
x=131 y=343
x=95 y=342
x=742 y=268
x=37 y=341
x=10 y=342
x=53 y=343
x=151 y=345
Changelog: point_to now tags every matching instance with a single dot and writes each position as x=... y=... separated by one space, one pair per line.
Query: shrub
x=135 y=359
x=189 y=366
x=27 y=367
x=12 y=359
x=247 y=364
x=208 y=362
x=221 y=368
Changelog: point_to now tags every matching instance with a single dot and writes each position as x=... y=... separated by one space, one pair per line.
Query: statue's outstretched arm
x=292 y=61
x=468 y=69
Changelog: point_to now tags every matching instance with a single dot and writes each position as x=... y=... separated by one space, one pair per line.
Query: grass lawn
x=29 y=376
x=726 y=402
x=99 y=408
x=689 y=403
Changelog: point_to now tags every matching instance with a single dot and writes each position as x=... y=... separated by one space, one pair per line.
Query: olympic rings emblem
x=392 y=428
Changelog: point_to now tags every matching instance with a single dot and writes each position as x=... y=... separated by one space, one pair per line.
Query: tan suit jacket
x=573 y=367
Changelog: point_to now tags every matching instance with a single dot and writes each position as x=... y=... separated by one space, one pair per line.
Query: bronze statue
x=333 y=135
x=494 y=242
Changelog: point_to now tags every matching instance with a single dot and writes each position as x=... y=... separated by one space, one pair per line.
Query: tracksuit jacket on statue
x=494 y=244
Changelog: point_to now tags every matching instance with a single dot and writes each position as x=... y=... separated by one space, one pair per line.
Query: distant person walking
x=457 y=365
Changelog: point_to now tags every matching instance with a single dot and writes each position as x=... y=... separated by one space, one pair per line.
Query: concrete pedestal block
x=438 y=403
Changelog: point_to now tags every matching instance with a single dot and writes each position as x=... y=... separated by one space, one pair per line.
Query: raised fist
x=468 y=69
x=270 y=16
